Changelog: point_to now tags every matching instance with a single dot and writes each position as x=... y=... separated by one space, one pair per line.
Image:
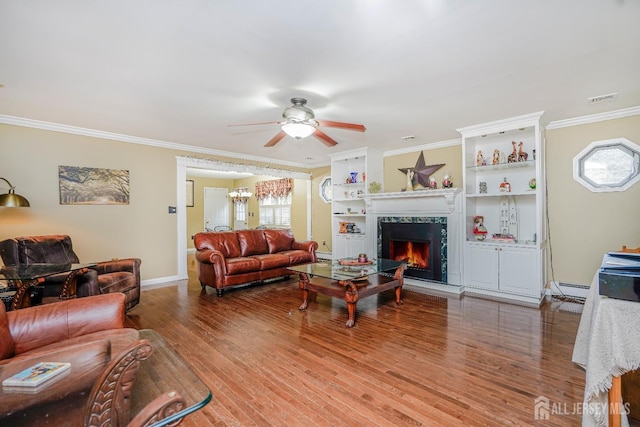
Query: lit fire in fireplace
x=416 y=254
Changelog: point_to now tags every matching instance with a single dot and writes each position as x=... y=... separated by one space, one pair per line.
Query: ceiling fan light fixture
x=298 y=130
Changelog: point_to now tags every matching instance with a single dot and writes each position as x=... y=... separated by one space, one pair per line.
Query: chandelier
x=240 y=195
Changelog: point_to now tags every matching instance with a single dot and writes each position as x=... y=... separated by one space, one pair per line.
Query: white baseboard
x=568 y=289
x=324 y=255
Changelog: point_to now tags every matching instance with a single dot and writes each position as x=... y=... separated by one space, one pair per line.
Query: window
x=611 y=165
x=275 y=211
x=240 y=211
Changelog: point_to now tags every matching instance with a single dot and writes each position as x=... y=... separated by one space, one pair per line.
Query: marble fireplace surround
x=419 y=205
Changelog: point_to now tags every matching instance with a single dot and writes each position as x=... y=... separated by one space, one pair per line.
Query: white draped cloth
x=607 y=344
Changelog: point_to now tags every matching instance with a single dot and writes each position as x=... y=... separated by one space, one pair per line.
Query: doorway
x=216 y=208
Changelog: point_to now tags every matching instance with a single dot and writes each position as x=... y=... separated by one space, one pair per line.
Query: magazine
x=36 y=374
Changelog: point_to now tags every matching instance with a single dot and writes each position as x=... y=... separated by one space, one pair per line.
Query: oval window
x=610 y=165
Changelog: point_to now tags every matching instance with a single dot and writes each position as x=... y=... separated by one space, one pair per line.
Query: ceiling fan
x=300 y=122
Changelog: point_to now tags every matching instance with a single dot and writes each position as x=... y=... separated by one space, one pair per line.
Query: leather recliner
x=86 y=332
x=122 y=275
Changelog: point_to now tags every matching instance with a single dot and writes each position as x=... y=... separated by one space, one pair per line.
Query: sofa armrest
x=131 y=265
x=87 y=360
x=211 y=256
x=41 y=325
x=309 y=245
x=211 y=267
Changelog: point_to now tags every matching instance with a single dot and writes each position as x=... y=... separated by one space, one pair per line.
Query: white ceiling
x=182 y=71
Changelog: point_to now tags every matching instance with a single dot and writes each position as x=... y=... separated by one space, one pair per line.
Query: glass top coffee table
x=161 y=392
x=350 y=280
x=21 y=278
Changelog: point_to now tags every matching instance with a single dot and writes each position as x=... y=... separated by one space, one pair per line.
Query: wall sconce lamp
x=240 y=195
x=11 y=199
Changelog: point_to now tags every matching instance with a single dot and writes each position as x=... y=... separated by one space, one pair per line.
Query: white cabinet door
x=349 y=246
x=519 y=272
x=359 y=246
x=481 y=266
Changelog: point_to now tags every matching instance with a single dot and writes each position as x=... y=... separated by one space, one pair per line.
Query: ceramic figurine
x=522 y=156
x=505 y=186
x=433 y=185
x=479 y=229
x=513 y=157
x=410 y=174
x=480 y=158
x=496 y=156
x=446 y=181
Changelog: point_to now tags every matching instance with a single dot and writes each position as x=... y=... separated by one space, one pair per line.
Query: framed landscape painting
x=93 y=186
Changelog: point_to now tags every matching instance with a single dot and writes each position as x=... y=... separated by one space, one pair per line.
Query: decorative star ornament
x=421 y=171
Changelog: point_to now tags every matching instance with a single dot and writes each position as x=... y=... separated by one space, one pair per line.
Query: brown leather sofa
x=87 y=332
x=235 y=258
x=122 y=275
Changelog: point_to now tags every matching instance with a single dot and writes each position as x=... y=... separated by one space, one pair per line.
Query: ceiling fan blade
x=252 y=124
x=275 y=139
x=349 y=126
x=326 y=139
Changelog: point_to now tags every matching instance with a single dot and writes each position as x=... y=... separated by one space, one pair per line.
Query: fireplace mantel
x=446 y=202
x=449 y=195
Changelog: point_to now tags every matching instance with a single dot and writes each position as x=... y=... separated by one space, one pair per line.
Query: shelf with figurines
x=499 y=161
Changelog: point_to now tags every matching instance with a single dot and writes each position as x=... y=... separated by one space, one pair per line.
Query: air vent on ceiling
x=602 y=98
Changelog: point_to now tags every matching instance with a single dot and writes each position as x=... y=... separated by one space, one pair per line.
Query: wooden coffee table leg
x=304 y=280
x=22 y=297
x=399 y=276
x=351 y=297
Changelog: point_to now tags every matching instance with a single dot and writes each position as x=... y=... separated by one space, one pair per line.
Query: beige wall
x=144 y=228
x=29 y=158
x=584 y=225
x=451 y=157
x=320 y=211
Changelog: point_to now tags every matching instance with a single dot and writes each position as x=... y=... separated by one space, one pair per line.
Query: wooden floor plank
x=435 y=360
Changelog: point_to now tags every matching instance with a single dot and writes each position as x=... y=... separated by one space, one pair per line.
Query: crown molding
x=56 y=127
x=594 y=118
x=196 y=162
x=432 y=146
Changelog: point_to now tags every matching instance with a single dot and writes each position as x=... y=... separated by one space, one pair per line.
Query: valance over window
x=276 y=188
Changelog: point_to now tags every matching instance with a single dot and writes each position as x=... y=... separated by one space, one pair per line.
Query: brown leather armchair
x=122 y=275
x=87 y=332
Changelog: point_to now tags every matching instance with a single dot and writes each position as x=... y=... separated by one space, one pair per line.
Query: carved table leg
x=399 y=276
x=351 y=297
x=22 y=298
x=110 y=399
x=69 y=286
x=304 y=280
x=163 y=406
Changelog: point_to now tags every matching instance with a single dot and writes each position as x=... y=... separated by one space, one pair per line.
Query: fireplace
x=420 y=241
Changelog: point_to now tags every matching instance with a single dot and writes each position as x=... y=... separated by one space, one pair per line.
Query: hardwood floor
x=434 y=361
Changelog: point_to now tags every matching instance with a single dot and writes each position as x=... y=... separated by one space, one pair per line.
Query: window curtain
x=277 y=188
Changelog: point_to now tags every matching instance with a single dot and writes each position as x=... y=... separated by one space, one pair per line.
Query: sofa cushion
x=278 y=240
x=252 y=242
x=225 y=242
x=269 y=261
x=6 y=341
x=241 y=265
x=117 y=282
